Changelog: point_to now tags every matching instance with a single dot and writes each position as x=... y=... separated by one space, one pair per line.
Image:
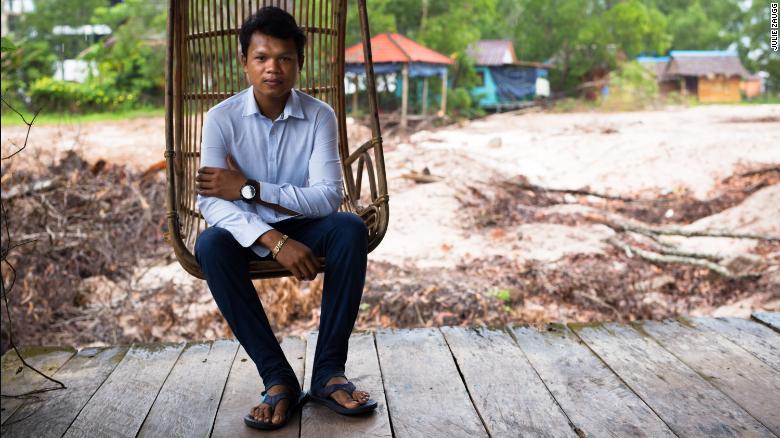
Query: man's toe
x=279 y=412
x=360 y=396
x=344 y=399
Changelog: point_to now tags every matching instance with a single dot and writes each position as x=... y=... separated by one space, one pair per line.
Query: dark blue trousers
x=342 y=238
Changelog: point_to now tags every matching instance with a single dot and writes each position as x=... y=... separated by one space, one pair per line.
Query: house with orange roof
x=393 y=53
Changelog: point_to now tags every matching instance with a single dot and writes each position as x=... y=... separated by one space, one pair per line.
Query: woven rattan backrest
x=203 y=69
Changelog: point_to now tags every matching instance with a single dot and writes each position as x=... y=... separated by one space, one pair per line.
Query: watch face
x=247 y=192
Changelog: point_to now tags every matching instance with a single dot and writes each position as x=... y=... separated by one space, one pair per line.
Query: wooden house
x=505 y=81
x=710 y=75
x=752 y=86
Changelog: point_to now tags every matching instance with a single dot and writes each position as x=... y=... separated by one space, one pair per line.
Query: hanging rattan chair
x=203 y=69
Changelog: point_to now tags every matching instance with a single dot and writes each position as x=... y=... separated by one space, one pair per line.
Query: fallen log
x=618 y=225
x=664 y=258
x=26 y=189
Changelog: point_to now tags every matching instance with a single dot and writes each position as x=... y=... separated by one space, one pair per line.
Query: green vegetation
x=126 y=67
x=448 y=27
x=584 y=39
x=45 y=118
x=763 y=100
x=503 y=295
x=631 y=86
x=588 y=37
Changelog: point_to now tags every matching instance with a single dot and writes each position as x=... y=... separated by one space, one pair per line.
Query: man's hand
x=220 y=183
x=294 y=256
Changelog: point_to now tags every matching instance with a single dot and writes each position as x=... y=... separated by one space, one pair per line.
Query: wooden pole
x=405 y=96
x=355 y=97
x=425 y=96
x=443 y=109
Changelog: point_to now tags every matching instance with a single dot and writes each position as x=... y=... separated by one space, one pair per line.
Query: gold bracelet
x=279 y=246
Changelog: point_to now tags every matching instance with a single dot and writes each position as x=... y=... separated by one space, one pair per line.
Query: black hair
x=275 y=22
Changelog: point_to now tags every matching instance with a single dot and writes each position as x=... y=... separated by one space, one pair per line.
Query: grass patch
x=574 y=105
x=9 y=118
x=762 y=100
x=503 y=295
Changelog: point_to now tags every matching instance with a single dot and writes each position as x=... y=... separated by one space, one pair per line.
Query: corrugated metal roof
x=499 y=52
x=656 y=64
x=492 y=52
x=674 y=53
x=703 y=63
x=394 y=47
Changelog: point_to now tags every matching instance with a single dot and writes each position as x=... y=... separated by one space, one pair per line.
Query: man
x=271 y=170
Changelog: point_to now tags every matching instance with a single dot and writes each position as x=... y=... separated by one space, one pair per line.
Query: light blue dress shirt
x=294 y=158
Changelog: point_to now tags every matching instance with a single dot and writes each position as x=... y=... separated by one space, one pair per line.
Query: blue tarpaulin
x=416 y=69
x=514 y=83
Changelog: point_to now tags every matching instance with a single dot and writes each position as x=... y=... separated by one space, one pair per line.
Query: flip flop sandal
x=273 y=400
x=322 y=396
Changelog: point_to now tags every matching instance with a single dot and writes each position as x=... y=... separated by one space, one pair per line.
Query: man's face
x=271 y=65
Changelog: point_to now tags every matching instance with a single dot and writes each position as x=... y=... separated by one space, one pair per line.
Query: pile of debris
x=73 y=221
x=508 y=202
x=95 y=268
x=647 y=272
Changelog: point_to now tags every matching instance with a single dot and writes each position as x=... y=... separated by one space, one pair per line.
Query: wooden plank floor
x=701 y=377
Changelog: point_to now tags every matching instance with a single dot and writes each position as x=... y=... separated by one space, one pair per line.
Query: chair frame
x=183 y=150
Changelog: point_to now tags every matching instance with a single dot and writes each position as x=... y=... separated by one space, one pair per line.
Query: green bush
x=22 y=64
x=134 y=57
x=459 y=102
x=60 y=96
x=631 y=86
x=129 y=64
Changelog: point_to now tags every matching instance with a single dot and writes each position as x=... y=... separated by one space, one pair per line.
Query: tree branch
x=663 y=258
x=29 y=126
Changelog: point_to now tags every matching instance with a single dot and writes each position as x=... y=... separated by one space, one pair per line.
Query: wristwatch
x=249 y=191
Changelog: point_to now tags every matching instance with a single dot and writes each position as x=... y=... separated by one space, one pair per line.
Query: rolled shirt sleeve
x=245 y=226
x=324 y=192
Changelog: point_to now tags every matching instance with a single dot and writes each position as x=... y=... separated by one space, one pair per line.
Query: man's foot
x=265 y=413
x=343 y=398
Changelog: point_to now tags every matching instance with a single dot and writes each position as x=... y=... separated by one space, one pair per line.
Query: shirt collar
x=291 y=109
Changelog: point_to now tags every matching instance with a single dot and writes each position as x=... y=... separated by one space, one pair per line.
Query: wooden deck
x=691 y=377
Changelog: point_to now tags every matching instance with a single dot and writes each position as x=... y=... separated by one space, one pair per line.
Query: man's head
x=272 y=51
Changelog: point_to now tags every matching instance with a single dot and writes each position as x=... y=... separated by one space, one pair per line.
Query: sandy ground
x=631 y=154
x=138 y=142
x=613 y=153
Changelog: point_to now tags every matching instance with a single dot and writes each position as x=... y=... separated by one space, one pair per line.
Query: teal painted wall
x=487 y=92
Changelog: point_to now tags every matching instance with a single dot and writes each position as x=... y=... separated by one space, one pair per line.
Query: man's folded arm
x=246 y=227
x=318 y=200
x=325 y=192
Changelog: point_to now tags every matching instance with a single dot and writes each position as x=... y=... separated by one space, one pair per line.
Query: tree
x=542 y=29
x=39 y=25
x=133 y=58
x=581 y=37
x=447 y=26
x=23 y=66
x=379 y=20
x=636 y=28
x=753 y=47
x=696 y=28
x=451 y=26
